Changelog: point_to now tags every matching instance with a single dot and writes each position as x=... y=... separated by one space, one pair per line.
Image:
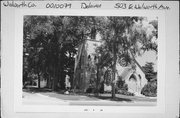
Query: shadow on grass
x=37 y=90
x=73 y=96
x=112 y=99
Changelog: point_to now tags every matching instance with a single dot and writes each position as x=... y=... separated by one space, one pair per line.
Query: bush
x=90 y=90
x=121 y=84
x=122 y=87
x=125 y=92
x=150 y=89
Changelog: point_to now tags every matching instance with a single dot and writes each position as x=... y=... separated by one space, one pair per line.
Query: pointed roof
x=127 y=71
x=139 y=65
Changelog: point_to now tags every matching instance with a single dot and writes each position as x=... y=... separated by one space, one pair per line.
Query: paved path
x=39 y=99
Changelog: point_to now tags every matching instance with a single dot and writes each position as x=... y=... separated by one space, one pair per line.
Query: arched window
x=107 y=77
x=89 y=57
x=132 y=77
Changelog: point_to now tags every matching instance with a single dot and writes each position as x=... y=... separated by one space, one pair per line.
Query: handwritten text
x=19 y=4
x=141 y=6
x=90 y=5
x=59 y=6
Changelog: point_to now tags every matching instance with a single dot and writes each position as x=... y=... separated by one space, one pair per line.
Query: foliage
x=128 y=37
x=149 y=71
x=121 y=84
x=107 y=77
x=155 y=25
x=124 y=92
x=123 y=39
x=150 y=89
x=50 y=44
x=122 y=87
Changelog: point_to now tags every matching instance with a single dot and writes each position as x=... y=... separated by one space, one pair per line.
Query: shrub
x=121 y=84
x=90 y=90
x=122 y=87
x=125 y=92
x=150 y=89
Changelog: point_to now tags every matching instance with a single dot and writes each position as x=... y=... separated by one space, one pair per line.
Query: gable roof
x=126 y=72
x=139 y=66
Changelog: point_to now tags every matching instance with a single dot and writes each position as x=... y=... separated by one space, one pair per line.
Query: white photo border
x=19 y=107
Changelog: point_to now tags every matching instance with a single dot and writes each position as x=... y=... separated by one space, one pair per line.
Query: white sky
x=149 y=56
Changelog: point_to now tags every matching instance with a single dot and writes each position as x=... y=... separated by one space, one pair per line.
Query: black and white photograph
x=90 y=60
x=106 y=59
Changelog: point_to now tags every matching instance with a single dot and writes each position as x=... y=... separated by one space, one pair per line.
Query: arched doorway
x=132 y=86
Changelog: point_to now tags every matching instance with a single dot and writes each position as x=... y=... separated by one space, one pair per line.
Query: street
x=52 y=98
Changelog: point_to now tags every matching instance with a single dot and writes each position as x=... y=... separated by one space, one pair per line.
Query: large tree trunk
x=39 y=81
x=48 y=82
x=54 y=81
x=54 y=87
x=57 y=62
x=61 y=73
x=55 y=77
x=114 y=71
x=97 y=81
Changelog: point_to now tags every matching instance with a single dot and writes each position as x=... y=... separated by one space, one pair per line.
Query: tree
x=112 y=34
x=124 y=38
x=51 y=41
x=36 y=31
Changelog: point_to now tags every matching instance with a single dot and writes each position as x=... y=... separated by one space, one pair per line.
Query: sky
x=149 y=56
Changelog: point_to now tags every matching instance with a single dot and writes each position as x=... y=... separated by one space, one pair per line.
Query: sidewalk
x=37 y=98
